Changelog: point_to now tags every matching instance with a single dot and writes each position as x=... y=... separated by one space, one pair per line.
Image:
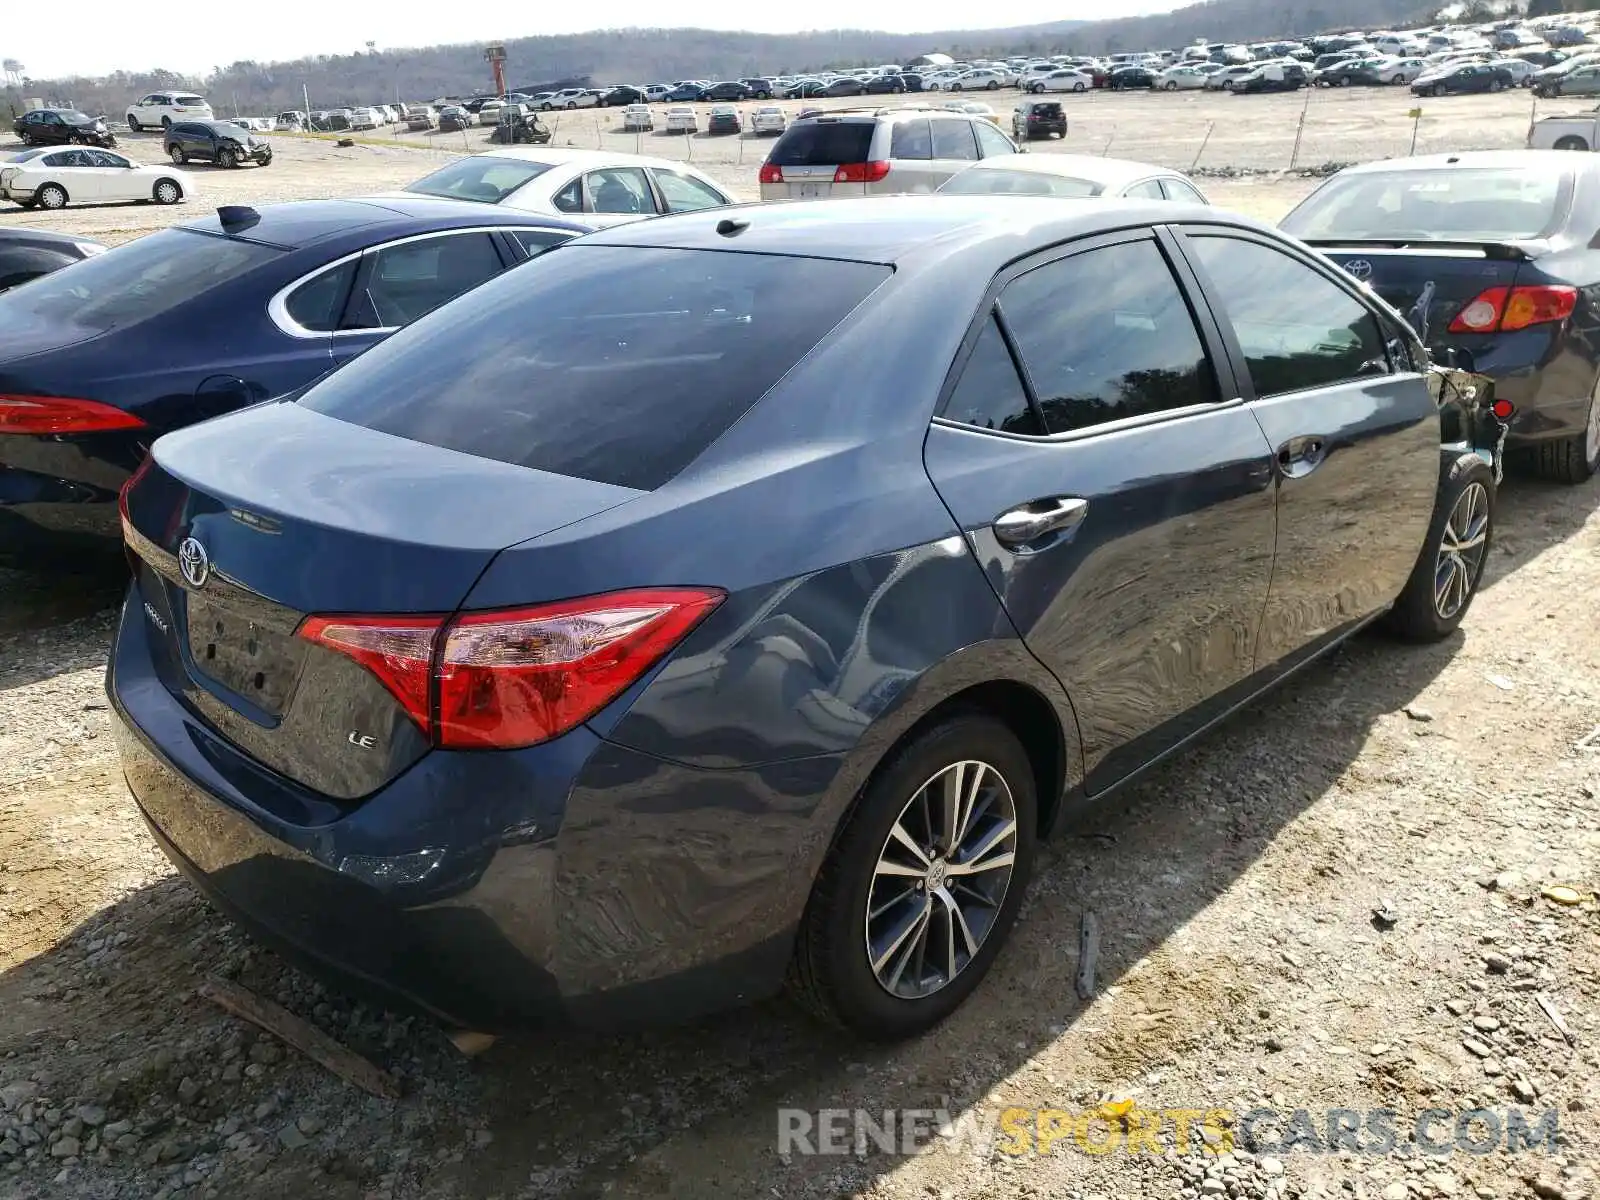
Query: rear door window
x=823 y=143
x=619 y=190
x=316 y=304
x=402 y=282
x=614 y=363
x=954 y=139
x=911 y=140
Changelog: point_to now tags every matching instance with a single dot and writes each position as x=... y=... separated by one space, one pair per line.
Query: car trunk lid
x=239 y=530
x=1430 y=283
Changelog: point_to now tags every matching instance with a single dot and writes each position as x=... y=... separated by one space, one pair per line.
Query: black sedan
x=845 y=85
x=738 y=599
x=623 y=94
x=887 y=85
x=1464 y=79
x=1123 y=78
x=1364 y=72
x=1278 y=77
x=98 y=360
x=59 y=126
x=731 y=89
x=1491 y=256
x=29 y=253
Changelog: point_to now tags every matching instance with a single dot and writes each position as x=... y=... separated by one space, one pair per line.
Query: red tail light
x=510 y=678
x=55 y=414
x=771 y=173
x=129 y=484
x=1514 y=308
x=867 y=172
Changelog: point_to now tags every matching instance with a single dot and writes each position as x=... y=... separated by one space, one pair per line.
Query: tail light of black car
x=47 y=415
x=516 y=677
x=1508 y=309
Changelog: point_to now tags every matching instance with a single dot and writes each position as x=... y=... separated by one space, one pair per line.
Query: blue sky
x=103 y=39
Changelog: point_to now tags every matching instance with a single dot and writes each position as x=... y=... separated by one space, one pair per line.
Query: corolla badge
x=193 y=563
x=1359 y=268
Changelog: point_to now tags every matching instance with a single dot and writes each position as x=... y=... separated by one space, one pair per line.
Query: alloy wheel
x=1591 y=434
x=940 y=879
x=1461 y=548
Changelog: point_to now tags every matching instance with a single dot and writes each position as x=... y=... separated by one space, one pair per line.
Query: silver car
x=890 y=151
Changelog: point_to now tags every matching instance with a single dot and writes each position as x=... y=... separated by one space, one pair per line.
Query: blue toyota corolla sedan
x=98 y=361
x=740 y=596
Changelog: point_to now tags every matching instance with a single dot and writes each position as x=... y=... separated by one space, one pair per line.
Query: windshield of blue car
x=130 y=283
x=1470 y=204
x=484 y=177
x=1020 y=183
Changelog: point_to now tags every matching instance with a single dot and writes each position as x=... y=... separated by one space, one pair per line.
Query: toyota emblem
x=193 y=563
x=1360 y=268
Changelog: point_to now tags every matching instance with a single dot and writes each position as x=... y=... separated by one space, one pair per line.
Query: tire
x=51 y=196
x=1037 y=89
x=1571 y=143
x=1420 y=614
x=545 y=107
x=166 y=122
x=1079 y=87
x=166 y=191
x=955 y=87
x=227 y=158
x=1575 y=459
x=1172 y=85
x=993 y=85
x=571 y=104
x=831 y=973
x=1398 y=80
x=1227 y=85
x=133 y=124
x=176 y=154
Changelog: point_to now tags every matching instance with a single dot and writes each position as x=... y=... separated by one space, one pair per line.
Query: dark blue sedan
x=741 y=596
x=98 y=361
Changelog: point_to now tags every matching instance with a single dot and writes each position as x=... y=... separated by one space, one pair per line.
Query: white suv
x=911 y=149
x=163 y=108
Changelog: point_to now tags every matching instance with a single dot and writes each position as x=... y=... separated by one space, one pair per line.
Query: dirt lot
x=1333 y=903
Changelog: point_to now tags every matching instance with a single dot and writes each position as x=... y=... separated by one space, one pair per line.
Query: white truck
x=1579 y=131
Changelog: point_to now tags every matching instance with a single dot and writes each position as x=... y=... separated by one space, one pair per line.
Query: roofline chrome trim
x=278 y=310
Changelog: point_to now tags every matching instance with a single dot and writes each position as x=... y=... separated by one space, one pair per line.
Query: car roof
x=42 y=237
x=561 y=157
x=300 y=223
x=1549 y=160
x=903 y=231
x=1109 y=171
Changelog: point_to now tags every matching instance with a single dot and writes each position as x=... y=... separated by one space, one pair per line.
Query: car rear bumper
x=60 y=494
x=1550 y=383
x=576 y=883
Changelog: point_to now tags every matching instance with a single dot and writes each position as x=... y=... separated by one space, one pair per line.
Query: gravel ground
x=1335 y=902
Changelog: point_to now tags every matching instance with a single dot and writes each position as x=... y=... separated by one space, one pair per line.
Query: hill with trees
x=651 y=55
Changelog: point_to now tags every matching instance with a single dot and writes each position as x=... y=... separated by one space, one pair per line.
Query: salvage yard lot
x=1241 y=963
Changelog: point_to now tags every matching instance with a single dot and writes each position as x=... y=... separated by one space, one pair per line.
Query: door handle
x=1030 y=522
x=1299 y=456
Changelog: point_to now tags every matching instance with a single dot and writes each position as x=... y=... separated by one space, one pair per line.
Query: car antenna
x=235 y=217
x=729 y=227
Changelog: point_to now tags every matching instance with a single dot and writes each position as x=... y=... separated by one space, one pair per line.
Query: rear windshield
x=1470 y=204
x=618 y=364
x=134 y=282
x=188 y=100
x=480 y=177
x=981 y=182
x=821 y=144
